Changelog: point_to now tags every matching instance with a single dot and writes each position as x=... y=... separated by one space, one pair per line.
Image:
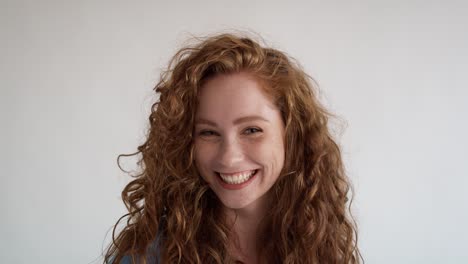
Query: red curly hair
x=310 y=221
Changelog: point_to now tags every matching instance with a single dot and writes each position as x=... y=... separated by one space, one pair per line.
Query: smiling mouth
x=237 y=178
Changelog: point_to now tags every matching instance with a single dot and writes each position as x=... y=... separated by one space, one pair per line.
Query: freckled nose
x=230 y=154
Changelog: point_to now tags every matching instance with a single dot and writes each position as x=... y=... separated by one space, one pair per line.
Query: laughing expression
x=239 y=139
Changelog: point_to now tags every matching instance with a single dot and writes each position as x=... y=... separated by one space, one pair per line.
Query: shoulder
x=153 y=252
x=152 y=256
x=127 y=259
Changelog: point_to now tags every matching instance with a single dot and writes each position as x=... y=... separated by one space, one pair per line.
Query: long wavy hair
x=310 y=221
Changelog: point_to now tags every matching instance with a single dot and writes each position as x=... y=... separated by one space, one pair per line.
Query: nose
x=230 y=154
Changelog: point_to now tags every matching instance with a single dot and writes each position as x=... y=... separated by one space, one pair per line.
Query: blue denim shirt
x=150 y=258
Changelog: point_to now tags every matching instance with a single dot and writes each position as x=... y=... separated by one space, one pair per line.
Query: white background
x=76 y=85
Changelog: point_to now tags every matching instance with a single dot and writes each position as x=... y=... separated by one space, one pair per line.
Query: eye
x=206 y=133
x=253 y=130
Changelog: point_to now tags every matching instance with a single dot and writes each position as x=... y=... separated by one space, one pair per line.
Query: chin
x=234 y=204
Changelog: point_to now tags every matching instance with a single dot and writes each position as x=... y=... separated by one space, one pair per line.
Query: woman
x=238 y=166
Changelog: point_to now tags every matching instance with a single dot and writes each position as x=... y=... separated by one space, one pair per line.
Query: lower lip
x=236 y=186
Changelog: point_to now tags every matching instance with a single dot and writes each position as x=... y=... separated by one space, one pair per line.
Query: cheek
x=196 y=155
x=202 y=157
x=277 y=156
x=265 y=155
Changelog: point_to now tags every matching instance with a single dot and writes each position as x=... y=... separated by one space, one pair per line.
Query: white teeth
x=237 y=178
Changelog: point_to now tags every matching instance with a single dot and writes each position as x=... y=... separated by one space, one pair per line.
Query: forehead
x=232 y=96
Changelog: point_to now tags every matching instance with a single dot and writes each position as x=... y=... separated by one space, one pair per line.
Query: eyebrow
x=236 y=122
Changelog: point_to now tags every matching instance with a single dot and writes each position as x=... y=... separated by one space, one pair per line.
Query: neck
x=245 y=222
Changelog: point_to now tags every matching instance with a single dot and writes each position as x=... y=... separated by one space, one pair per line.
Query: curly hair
x=309 y=222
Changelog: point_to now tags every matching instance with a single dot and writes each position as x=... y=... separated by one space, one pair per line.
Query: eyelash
x=203 y=132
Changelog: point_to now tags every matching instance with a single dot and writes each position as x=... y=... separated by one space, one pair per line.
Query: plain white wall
x=76 y=86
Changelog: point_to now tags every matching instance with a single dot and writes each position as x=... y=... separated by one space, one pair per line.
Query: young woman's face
x=238 y=131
